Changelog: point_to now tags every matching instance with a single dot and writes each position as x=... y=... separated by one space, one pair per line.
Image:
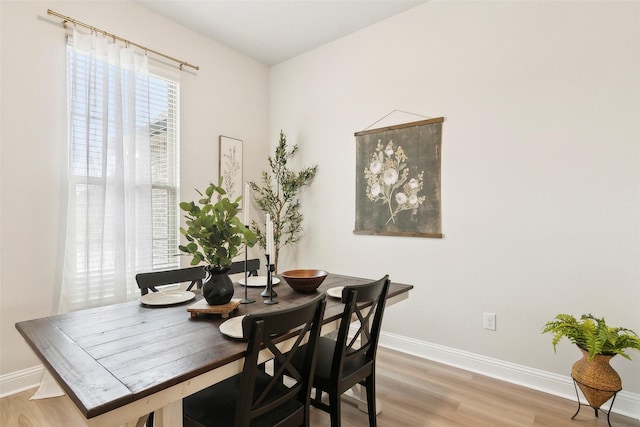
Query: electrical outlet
x=490 y=321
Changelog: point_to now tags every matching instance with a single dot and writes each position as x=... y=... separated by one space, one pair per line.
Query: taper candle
x=272 y=251
x=246 y=204
x=270 y=237
x=267 y=222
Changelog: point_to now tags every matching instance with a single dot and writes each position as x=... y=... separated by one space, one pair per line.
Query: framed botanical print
x=398 y=180
x=230 y=166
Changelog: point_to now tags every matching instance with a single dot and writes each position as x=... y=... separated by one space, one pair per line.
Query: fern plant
x=592 y=334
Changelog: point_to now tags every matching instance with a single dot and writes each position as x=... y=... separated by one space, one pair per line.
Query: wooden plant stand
x=580 y=404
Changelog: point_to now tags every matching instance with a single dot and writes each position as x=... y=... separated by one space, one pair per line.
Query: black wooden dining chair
x=348 y=360
x=149 y=281
x=254 y=397
x=253 y=265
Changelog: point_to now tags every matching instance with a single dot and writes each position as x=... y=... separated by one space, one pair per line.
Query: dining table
x=119 y=362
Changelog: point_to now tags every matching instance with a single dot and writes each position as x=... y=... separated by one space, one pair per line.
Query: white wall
x=228 y=96
x=540 y=173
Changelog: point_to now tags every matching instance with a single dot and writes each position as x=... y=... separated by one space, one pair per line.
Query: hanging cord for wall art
x=66 y=19
x=394 y=111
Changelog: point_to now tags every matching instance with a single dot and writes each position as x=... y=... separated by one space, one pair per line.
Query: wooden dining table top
x=110 y=356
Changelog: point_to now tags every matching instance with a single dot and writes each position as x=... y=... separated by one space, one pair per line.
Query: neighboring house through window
x=165 y=173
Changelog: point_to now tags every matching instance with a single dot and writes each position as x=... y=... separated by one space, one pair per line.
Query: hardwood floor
x=413 y=392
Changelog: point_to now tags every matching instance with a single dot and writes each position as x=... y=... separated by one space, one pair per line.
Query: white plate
x=258 y=281
x=167 y=297
x=335 y=292
x=232 y=327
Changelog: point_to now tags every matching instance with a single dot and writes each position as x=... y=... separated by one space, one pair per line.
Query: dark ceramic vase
x=217 y=287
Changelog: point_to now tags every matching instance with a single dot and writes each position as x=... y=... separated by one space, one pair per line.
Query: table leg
x=137 y=423
x=169 y=415
x=357 y=396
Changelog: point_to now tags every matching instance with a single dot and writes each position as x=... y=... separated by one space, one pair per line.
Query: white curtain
x=109 y=225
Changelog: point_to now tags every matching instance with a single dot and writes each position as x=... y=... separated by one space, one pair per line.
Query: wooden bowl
x=305 y=281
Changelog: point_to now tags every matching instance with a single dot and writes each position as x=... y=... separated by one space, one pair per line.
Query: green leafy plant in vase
x=215 y=236
x=278 y=196
x=598 y=343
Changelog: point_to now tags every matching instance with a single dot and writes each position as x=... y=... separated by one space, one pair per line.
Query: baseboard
x=15 y=382
x=626 y=403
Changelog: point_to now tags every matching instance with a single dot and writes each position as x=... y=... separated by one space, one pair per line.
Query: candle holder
x=246 y=300
x=268 y=291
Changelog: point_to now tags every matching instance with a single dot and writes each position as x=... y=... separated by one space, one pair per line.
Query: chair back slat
x=253 y=265
x=150 y=281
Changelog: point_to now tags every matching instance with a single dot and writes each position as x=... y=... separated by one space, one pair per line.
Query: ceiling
x=272 y=31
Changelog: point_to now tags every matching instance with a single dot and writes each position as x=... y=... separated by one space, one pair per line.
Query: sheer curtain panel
x=109 y=224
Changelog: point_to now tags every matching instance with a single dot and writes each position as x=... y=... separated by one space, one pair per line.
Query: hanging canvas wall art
x=398 y=180
x=230 y=166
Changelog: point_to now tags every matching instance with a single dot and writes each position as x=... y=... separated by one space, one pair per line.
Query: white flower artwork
x=398 y=180
x=387 y=180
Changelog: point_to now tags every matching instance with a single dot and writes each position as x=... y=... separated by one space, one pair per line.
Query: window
x=164 y=172
x=123 y=173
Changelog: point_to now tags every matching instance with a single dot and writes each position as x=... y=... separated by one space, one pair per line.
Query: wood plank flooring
x=414 y=393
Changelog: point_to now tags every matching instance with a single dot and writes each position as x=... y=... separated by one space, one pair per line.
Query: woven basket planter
x=596 y=378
